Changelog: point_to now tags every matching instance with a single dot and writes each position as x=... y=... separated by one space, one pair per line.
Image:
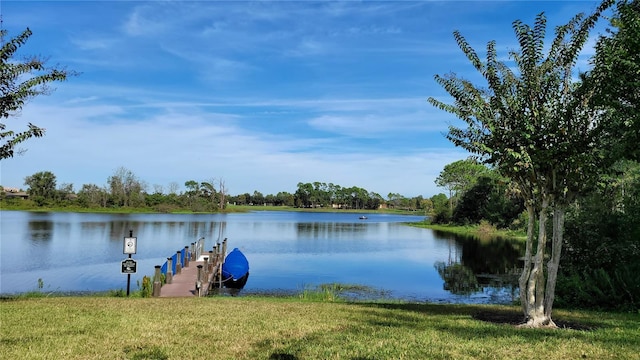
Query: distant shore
x=228 y=209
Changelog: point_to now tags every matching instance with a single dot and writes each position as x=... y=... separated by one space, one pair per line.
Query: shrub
x=147 y=287
x=599 y=267
x=613 y=289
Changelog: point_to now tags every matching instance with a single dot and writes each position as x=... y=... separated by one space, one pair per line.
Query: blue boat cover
x=235 y=265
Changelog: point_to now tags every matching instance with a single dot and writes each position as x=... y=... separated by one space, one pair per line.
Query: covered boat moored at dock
x=235 y=271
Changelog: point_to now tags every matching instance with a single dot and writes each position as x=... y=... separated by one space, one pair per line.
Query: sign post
x=129 y=246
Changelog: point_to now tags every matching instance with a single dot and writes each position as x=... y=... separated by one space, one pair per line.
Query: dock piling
x=186 y=256
x=169 y=278
x=199 y=281
x=224 y=247
x=178 y=262
x=157 y=282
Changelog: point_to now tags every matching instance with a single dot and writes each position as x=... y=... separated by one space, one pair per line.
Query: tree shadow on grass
x=282 y=356
x=515 y=318
x=495 y=315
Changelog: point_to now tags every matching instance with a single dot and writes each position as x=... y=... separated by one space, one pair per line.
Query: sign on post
x=129 y=266
x=129 y=245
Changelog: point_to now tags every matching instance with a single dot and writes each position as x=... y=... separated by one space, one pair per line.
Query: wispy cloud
x=263 y=94
x=95 y=43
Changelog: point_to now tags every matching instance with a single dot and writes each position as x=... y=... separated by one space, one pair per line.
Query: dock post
x=186 y=256
x=157 y=282
x=205 y=268
x=224 y=247
x=193 y=252
x=178 y=262
x=220 y=272
x=169 y=279
x=199 y=281
x=200 y=247
x=212 y=262
x=220 y=260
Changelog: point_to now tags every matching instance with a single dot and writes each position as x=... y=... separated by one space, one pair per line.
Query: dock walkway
x=196 y=277
x=183 y=284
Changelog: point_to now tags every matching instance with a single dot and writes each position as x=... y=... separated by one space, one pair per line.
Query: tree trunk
x=534 y=292
x=526 y=268
x=222 y=194
x=554 y=262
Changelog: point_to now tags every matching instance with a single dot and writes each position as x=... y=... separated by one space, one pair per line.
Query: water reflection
x=458 y=279
x=40 y=231
x=482 y=264
x=287 y=251
x=325 y=230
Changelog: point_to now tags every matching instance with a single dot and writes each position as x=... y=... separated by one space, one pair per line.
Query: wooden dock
x=196 y=277
x=184 y=284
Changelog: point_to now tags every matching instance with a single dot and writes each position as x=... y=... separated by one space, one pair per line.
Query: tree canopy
x=615 y=80
x=459 y=176
x=42 y=185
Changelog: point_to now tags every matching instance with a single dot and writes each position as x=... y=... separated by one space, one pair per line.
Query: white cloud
x=176 y=147
x=262 y=94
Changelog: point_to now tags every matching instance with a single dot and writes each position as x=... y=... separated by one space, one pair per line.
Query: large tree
x=42 y=186
x=20 y=81
x=533 y=124
x=458 y=177
x=92 y=195
x=125 y=188
x=489 y=199
x=208 y=190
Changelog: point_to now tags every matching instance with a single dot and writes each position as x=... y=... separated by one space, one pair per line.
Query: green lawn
x=292 y=328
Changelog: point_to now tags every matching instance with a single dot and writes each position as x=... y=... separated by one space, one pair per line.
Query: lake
x=288 y=252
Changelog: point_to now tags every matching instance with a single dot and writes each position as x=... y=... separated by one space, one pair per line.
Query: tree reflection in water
x=458 y=279
x=487 y=264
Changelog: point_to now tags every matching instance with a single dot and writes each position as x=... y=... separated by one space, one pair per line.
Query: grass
x=480 y=231
x=291 y=328
x=340 y=292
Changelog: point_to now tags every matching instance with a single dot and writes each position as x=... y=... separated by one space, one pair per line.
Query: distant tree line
x=124 y=190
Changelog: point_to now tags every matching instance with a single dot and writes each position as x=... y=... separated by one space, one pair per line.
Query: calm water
x=287 y=251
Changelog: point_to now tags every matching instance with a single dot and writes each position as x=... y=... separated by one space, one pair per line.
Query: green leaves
x=524 y=124
x=19 y=82
x=615 y=81
x=13 y=139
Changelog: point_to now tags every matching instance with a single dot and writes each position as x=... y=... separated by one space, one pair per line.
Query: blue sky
x=262 y=95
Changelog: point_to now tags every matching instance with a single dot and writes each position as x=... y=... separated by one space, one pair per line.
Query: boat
x=363 y=217
x=235 y=270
